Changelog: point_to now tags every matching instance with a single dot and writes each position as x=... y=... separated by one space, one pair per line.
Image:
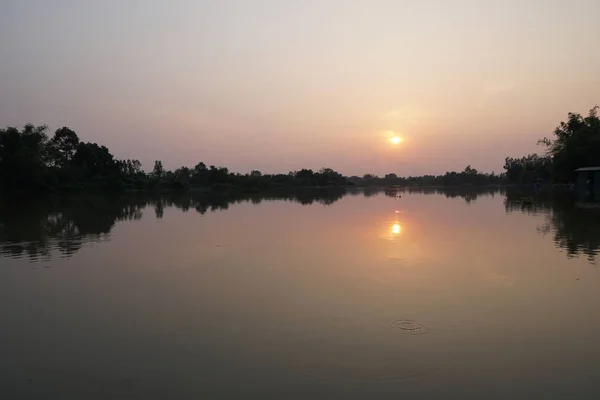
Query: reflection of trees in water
x=36 y=228
x=468 y=194
x=575 y=230
x=204 y=202
x=371 y=191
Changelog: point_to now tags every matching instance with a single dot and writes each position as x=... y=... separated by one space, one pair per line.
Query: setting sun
x=395 y=140
x=396 y=229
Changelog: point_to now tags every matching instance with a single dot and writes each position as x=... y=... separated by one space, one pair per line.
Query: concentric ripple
x=409 y=327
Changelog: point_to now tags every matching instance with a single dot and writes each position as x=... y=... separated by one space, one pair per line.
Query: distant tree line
x=31 y=160
x=468 y=177
x=576 y=144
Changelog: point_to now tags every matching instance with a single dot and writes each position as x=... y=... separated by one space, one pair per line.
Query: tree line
x=468 y=177
x=31 y=160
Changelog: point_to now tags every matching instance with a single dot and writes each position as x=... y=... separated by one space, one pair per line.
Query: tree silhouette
x=29 y=161
x=64 y=144
x=23 y=157
x=576 y=144
x=527 y=169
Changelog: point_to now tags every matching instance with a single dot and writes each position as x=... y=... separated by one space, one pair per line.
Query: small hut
x=588 y=183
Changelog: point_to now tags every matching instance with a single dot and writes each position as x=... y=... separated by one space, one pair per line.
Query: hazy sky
x=280 y=85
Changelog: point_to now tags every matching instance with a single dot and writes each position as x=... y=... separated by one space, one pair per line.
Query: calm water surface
x=316 y=295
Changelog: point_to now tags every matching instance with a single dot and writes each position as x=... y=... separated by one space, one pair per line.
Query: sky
x=279 y=85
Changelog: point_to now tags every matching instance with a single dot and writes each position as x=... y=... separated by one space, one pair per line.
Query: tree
x=131 y=167
x=180 y=178
x=329 y=177
x=576 y=144
x=63 y=146
x=470 y=171
x=158 y=170
x=527 y=169
x=23 y=156
x=305 y=177
x=95 y=161
x=199 y=174
x=218 y=175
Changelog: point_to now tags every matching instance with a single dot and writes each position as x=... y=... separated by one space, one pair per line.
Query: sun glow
x=395 y=140
x=396 y=229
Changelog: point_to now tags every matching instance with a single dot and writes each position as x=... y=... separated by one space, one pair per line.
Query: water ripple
x=408 y=327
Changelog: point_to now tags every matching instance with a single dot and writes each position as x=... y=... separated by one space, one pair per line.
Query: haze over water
x=312 y=294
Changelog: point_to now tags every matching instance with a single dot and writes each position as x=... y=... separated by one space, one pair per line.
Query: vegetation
x=30 y=160
x=468 y=177
x=576 y=144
